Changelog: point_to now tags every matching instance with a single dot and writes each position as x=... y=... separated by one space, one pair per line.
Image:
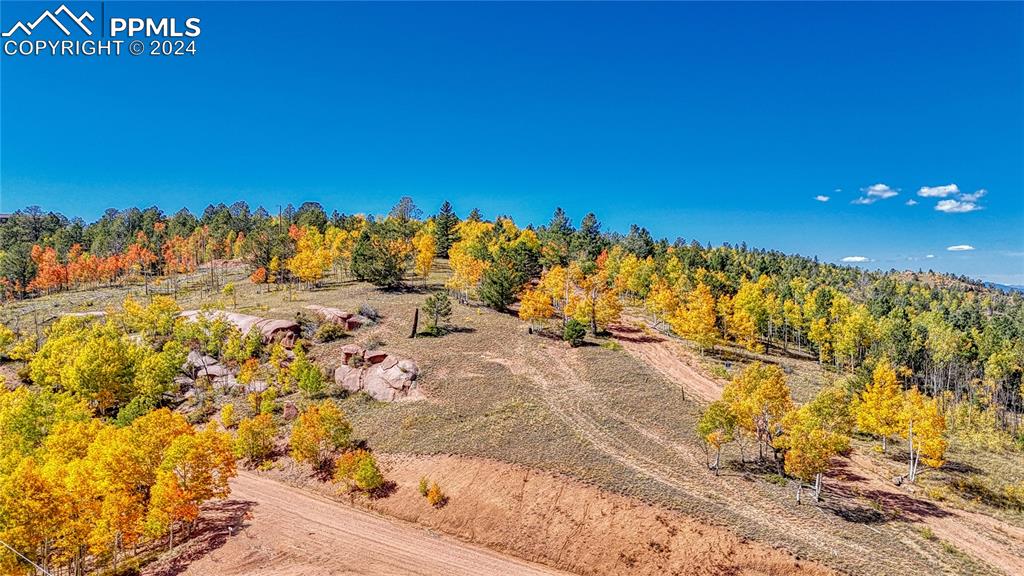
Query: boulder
x=387 y=378
x=388 y=362
x=286 y=332
x=256 y=386
x=289 y=412
x=355 y=321
x=213 y=371
x=328 y=314
x=225 y=382
x=350 y=350
x=379 y=387
x=195 y=361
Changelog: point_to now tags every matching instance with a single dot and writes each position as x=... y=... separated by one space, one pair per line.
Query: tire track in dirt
x=986 y=538
x=667 y=357
x=555 y=371
x=293 y=532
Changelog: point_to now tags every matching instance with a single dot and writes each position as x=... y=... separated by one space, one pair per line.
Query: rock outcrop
x=349 y=320
x=385 y=377
x=272 y=330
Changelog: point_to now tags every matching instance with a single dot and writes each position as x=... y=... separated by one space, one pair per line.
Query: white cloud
x=930 y=256
x=956 y=206
x=911 y=202
x=960 y=248
x=822 y=198
x=880 y=191
x=938 y=191
x=856 y=259
x=973 y=196
x=874 y=193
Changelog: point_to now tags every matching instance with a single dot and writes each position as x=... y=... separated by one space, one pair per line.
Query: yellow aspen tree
x=31 y=506
x=879 y=408
x=724 y=310
x=312 y=256
x=535 y=305
x=743 y=329
x=168 y=505
x=808 y=450
x=716 y=428
x=320 y=431
x=924 y=427
x=202 y=464
x=426 y=250
x=813 y=434
x=700 y=314
x=555 y=284
x=760 y=397
x=594 y=303
x=820 y=335
x=661 y=301
x=793 y=322
x=274 y=270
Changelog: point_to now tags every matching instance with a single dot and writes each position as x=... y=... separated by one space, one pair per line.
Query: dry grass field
x=610 y=414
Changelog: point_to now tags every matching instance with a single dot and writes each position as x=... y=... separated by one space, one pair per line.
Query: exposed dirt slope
x=565 y=523
x=288 y=531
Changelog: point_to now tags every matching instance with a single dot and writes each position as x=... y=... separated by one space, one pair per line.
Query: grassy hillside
x=602 y=415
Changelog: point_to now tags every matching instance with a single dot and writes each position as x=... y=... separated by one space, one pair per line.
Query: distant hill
x=1008 y=288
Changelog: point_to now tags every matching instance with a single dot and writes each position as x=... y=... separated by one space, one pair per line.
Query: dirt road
x=286 y=531
x=669 y=357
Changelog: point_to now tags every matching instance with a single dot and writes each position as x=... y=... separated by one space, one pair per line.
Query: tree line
x=950 y=334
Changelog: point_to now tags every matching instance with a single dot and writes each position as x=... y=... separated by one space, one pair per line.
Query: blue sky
x=717 y=122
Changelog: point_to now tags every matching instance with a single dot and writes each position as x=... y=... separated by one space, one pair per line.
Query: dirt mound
x=560 y=522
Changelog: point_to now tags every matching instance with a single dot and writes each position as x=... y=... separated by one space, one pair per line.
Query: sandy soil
x=268 y=528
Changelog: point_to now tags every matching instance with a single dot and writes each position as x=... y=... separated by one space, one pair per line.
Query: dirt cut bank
x=563 y=523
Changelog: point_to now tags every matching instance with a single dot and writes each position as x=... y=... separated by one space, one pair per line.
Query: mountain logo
x=27 y=27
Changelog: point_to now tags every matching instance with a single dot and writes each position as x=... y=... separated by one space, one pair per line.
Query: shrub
x=253 y=399
x=358 y=470
x=139 y=406
x=424 y=486
x=247 y=373
x=436 y=497
x=329 y=332
x=227 y=415
x=268 y=401
x=574 y=332
x=438 y=309
x=320 y=431
x=309 y=377
x=370 y=312
x=254 y=441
